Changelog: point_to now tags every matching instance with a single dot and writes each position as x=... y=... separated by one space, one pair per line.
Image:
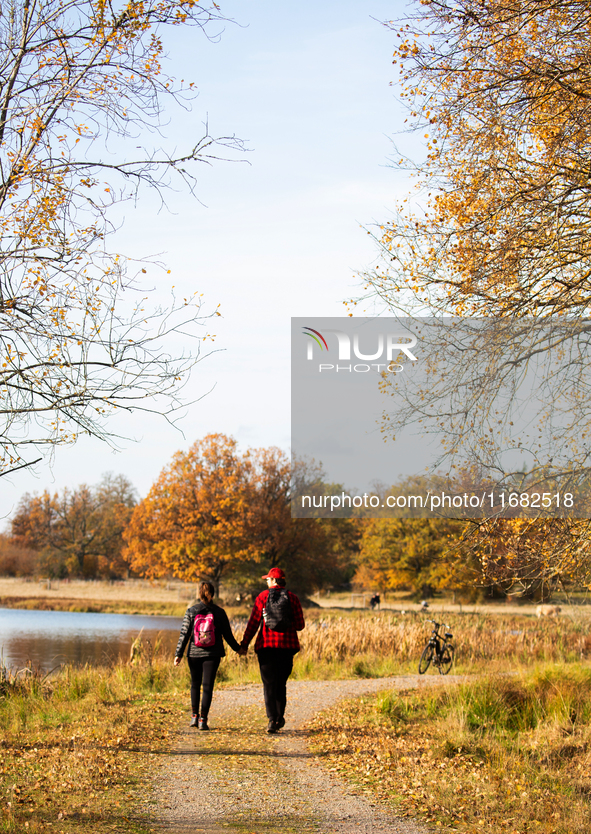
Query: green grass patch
x=500 y=754
x=77 y=748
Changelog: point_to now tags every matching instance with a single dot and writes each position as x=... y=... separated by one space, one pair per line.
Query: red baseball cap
x=274 y=573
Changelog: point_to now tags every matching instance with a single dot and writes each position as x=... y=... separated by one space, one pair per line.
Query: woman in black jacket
x=205 y=627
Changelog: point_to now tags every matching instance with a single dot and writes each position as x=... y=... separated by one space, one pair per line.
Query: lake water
x=51 y=638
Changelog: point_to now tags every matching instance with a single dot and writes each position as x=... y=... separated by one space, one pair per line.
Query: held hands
x=242 y=651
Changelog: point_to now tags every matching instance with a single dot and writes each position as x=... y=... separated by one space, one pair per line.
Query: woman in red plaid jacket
x=274 y=648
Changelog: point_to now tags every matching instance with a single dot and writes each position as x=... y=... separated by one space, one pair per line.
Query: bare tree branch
x=74 y=342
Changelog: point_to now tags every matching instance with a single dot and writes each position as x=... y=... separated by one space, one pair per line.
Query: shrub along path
x=236 y=777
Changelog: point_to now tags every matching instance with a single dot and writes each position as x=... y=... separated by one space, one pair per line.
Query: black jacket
x=222 y=630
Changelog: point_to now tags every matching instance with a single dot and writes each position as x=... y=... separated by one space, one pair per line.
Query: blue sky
x=275 y=233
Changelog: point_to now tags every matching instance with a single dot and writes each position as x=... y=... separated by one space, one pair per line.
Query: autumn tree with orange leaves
x=82 y=92
x=224 y=515
x=192 y=522
x=499 y=230
x=76 y=532
x=498 y=90
x=317 y=552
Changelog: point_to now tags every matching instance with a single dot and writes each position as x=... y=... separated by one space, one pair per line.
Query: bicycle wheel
x=446 y=660
x=426 y=659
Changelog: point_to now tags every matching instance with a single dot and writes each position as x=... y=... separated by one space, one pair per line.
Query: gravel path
x=238 y=778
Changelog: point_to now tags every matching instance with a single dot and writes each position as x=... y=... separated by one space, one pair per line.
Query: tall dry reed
x=479 y=639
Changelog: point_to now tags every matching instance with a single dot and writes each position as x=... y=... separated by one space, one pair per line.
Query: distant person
x=205 y=627
x=279 y=615
x=374 y=602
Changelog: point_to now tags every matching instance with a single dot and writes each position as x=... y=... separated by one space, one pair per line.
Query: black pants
x=203 y=671
x=275 y=666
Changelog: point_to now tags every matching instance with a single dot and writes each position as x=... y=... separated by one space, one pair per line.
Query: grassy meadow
x=497 y=753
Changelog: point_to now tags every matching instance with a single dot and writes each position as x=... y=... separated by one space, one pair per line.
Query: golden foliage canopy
x=413 y=554
x=193 y=523
x=534 y=557
x=498 y=233
x=221 y=514
x=498 y=89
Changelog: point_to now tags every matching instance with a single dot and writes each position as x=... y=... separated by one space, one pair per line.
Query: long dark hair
x=206 y=591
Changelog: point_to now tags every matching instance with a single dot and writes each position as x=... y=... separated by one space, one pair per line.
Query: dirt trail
x=238 y=778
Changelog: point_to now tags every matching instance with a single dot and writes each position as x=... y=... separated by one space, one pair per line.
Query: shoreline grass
x=95 y=606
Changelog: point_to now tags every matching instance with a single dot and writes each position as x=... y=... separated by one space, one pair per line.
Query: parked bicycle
x=438 y=651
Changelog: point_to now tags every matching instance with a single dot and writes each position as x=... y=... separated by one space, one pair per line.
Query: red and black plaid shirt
x=267 y=638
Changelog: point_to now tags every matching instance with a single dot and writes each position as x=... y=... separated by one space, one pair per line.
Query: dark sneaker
x=193 y=721
x=203 y=724
x=272 y=727
x=280 y=722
